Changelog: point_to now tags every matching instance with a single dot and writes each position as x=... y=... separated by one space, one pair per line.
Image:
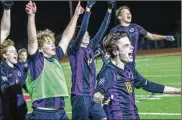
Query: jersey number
x=128 y=86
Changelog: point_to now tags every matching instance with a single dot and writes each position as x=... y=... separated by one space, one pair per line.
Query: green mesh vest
x=50 y=83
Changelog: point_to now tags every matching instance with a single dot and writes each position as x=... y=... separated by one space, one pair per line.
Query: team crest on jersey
x=131 y=30
x=19 y=73
x=4 y=78
x=25 y=65
x=102 y=81
x=89 y=61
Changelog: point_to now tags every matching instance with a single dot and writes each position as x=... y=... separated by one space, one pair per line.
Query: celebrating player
x=83 y=68
x=45 y=81
x=117 y=82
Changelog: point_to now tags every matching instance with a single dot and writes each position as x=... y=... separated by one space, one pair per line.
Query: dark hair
x=110 y=41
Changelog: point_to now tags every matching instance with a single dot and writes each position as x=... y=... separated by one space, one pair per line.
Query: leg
x=97 y=112
x=80 y=107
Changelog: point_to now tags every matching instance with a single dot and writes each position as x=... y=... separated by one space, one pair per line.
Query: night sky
x=155 y=16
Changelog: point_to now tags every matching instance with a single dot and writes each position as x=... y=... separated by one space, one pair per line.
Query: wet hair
x=4 y=46
x=111 y=40
x=118 y=11
x=42 y=35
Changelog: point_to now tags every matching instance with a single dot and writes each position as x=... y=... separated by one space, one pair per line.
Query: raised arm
x=77 y=42
x=32 y=37
x=103 y=28
x=6 y=20
x=70 y=30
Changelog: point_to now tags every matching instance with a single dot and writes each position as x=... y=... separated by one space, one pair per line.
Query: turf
x=165 y=70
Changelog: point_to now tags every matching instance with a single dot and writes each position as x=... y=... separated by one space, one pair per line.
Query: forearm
x=171 y=90
x=153 y=87
x=103 y=28
x=5 y=24
x=83 y=29
x=32 y=36
x=151 y=36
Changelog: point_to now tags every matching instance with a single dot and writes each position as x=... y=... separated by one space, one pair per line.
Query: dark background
x=162 y=17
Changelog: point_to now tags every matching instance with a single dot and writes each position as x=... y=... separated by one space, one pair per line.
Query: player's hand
x=106 y=102
x=31 y=8
x=79 y=10
x=98 y=98
x=111 y=4
x=169 y=38
x=90 y=3
x=7 y=4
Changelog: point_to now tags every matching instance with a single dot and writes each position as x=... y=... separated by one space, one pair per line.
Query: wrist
x=109 y=10
x=88 y=9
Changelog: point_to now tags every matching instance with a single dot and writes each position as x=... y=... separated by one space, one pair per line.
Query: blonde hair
x=41 y=35
x=118 y=11
x=4 y=46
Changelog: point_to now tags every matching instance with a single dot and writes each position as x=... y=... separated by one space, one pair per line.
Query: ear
x=120 y=18
x=4 y=56
x=115 y=52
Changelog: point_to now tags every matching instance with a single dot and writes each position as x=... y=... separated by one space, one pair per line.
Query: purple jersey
x=11 y=81
x=82 y=59
x=134 y=32
x=119 y=84
x=36 y=64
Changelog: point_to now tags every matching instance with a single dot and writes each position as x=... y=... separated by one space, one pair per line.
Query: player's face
x=11 y=55
x=126 y=16
x=125 y=50
x=23 y=57
x=85 y=40
x=49 y=48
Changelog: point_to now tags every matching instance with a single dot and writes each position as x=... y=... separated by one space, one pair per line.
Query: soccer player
x=117 y=82
x=45 y=80
x=22 y=59
x=4 y=32
x=12 y=78
x=124 y=16
x=80 y=52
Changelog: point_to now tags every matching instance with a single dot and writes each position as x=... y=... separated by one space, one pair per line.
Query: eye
x=126 y=45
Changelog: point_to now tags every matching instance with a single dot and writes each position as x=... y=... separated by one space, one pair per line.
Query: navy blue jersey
x=36 y=64
x=134 y=32
x=11 y=87
x=82 y=59
x=119 y=84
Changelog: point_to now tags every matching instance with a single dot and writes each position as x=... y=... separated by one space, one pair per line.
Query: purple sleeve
x=141 y=30
x=4 y=79
x=59 y=53
x=36 y=64
x=103 y=82
x=141 y=82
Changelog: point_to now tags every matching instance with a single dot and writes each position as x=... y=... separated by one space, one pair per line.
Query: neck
x=124 y=23
x=83 y=45
x=117 y=62
x=9 y=63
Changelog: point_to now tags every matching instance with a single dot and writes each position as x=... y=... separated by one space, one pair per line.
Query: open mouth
x=130 y=55
x=15 y=58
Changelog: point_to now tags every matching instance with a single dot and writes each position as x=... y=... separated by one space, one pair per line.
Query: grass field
x=165 y=70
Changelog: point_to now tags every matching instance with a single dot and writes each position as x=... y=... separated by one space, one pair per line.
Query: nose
x=131 y=47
